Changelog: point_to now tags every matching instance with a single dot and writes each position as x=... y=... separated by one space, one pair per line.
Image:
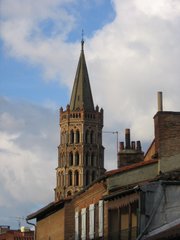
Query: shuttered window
x=100 y=218
x=76 y=225
x=91 y=221
x=83 y=223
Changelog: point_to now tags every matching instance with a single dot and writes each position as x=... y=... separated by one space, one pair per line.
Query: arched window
x=92 y=137
x=87 y=158
x=87 y=136
x=70 y=178
x=76 y=178
x=70 y=159
x=71 y=136
x=77 y=159
x=93 y=175
x=77 y=136
x=87 y=178
x=93 y=159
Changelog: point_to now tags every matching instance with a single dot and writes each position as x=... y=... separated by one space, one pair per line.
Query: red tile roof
x=130 y=167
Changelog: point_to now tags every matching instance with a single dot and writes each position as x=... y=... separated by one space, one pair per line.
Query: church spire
x=81 y=97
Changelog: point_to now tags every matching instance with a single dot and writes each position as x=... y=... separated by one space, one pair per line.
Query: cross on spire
x=82 y=40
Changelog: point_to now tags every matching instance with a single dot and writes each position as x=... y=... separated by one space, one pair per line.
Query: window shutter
x=91 y=221
x=100 y=218
x=76 y=225
x=83 y=223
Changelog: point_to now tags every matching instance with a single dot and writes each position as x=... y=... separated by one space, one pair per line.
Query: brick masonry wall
x=51 y=227
x=167 y=140
x=69 y=220
x=90 y=196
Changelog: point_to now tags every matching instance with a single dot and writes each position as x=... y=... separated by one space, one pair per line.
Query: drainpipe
x=34 y=227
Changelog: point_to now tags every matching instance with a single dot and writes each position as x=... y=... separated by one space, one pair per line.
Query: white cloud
x=165 y=9
x=28 y=140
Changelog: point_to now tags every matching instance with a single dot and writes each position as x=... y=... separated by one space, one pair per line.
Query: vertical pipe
x=160 y=101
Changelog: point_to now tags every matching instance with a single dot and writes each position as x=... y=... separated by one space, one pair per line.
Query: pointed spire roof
x=81 y=96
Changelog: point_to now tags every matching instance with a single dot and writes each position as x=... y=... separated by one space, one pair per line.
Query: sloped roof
x=130 y=167
x=47 y=210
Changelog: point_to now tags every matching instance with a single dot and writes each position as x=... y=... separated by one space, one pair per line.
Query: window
x=76 y=178
x=87 y=137
x=71 y=136
x=114 y=224
x=101 y=218
x=87 y=158
x=93 y=175
x=77 y=136
x=70 y=178
x=92 y=137
x=93 y=159
x=70 y=159
x=76 y=225
x=123 y=222
x=83 y=224
x=124 y=230
x=91 y=221
x=87 y=178
x=76 y=159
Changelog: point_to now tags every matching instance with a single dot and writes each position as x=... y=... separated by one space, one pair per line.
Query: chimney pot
x=127 y=138
x=121 y=146
x=160 y=101
x=138 y=146
x=133 y=144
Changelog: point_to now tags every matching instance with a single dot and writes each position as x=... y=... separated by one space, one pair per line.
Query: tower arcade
x=80 y=153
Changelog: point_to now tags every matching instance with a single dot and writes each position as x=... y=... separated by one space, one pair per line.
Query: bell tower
x=80 y=153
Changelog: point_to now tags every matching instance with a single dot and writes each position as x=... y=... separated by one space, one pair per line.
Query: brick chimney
x=167 y=138
x=130 y=152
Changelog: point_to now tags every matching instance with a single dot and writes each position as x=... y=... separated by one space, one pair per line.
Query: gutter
x=34 y=227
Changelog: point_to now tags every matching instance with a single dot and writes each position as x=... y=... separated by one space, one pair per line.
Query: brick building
x=23 y=234
x=138 y=200
x=80 y=153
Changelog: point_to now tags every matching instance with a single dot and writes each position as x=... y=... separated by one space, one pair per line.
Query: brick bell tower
x=80 y=153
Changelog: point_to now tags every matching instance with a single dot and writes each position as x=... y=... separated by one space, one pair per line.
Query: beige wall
x=132 y=176
x=52 y=227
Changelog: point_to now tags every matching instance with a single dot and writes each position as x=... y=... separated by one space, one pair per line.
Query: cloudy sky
x=132 y=51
